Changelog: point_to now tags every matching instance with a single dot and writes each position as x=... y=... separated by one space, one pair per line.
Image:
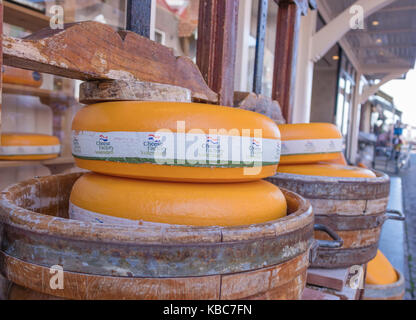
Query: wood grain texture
x=354 y=238
x=94 y=51
x=287 y=37
x=216 y=46
x=259 y=103
x=333 y=188
x=285 y=281
x=1 y=61
x=353 y=207
x=121 y=90
x=333 y=278
x=315 y=294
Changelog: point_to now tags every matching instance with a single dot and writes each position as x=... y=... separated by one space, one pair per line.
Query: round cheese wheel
x=340 y=159
x=174 y=141
x=114 y=200
x=380 y=271
x=327 y=170
x=21 y=76
x=309 y=142
x=23 y=146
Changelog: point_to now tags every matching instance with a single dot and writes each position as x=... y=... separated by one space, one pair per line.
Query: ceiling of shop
x=388 y=41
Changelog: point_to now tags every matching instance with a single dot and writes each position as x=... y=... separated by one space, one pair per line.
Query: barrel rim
x=13 y=215
x=380 y=177
x=335 y=188
x=393 y=289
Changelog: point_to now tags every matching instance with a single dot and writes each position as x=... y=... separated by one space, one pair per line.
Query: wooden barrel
x=262 y=261
x=355 y=208
x=394 y=291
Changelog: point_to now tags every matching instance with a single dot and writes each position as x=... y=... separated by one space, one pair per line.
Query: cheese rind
x=327 y=170
x=106 y=199
x=173 y=141
x=380 y=271
x=309 y=142
x=16 y=146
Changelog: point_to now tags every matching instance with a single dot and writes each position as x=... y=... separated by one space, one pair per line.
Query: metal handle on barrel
x=393 y=214
x=337 y=242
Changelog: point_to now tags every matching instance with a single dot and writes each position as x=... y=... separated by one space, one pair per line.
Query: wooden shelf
x=51 y=162
x=24 y=17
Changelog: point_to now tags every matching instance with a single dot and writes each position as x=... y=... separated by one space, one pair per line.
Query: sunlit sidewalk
x=409 y=203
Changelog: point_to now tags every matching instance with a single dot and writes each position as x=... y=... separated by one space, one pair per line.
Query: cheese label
x=313 y=146
x=29 y=150
x=195 y=149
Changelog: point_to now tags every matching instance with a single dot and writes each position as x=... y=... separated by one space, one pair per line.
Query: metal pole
x=260 y=37
x=139 y=16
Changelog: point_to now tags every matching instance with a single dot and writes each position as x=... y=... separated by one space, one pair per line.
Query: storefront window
x=346 y=87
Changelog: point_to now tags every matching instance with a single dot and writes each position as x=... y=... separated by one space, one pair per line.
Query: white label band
x=178 y=149
x=29 y=150
x=313 y=146
x=80 y=214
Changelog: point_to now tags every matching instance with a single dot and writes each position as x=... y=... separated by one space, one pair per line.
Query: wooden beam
x=385 y=31
x=24 y=17
x=94 y=51
x=287 y=33
x=138 y=16
x=1 y=60
x=216 y=47
x=396 y=9
x=260 y=38
x=335 y=29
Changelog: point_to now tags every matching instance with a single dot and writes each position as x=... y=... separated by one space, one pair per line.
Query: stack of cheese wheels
x=315 y=149
x=309 y=143
x=20 y=76
x=23 y=146
x=176 y=163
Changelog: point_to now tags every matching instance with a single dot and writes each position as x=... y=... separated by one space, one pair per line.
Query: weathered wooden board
x=121 y=90
x=94 y=51
x=286 y=48
x=259 y=103
x=315 y=294
x=1 y=60
x=328 y=278
x=216 y=46
x=285 y=281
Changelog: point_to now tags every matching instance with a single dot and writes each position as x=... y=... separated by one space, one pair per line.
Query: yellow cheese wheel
x=21 y=76
x=309 y=142
x=380 y=271
x=106 y=199
x=24 y=146
x=327 y=170
x=340 y=159
x=173 y=141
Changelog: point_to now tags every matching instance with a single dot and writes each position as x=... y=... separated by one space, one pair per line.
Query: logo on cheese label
x=104 y=145
x=194 y=148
